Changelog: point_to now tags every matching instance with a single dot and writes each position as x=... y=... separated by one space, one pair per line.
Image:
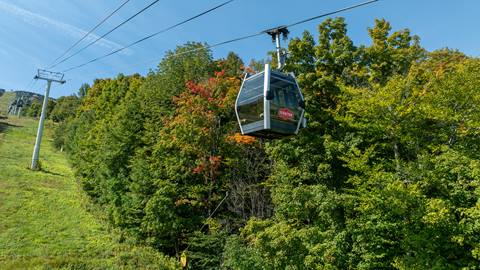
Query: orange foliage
x=243 y=139
x=215 y=162
x=199 y=90
x=219 y=73
x=198 y=169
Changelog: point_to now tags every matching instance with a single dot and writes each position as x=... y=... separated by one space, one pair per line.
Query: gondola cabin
x=270 y=105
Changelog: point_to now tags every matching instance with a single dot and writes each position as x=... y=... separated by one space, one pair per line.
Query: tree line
x=385 y=176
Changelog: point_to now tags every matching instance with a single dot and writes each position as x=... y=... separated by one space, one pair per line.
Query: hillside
x=45 y=223
x=5 y=100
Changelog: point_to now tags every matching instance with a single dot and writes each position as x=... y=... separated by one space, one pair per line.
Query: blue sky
x=33 y=33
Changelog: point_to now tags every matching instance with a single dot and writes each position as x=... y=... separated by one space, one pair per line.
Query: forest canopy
x=385 y=176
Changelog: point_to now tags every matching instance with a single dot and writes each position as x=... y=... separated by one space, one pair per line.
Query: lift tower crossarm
x=50 y=77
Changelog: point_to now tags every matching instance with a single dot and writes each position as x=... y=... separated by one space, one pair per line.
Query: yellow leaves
x=437 y=212
x=184 y=260
x=181 y=202
x=214 y=226
x=463 y=129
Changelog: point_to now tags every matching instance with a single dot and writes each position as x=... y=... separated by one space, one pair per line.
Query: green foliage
x=238 y=256
x=83 y=91
x=64 y=108
x=204 y=249
x=385 y=176
x=35 y=109
x=382 y=175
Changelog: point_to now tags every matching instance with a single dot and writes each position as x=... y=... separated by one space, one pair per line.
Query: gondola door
x=250 y=104
x=286 y=112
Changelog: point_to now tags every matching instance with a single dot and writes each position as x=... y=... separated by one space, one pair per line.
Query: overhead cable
x=109 y=32
x=150 y=36
x=331 y=13
x=207 y=47
x=238 y=38
x=88 y=33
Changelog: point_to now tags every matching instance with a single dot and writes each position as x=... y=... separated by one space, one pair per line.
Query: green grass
x=44 y=222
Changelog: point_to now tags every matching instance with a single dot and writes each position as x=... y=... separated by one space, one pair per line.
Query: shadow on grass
x=40 y=169
x=4 y=126
x=51 y=173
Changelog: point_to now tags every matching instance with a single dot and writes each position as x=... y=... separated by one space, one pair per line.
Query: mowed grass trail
x=44 y=223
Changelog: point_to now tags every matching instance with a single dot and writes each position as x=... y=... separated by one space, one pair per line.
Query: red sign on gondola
x=285 y=114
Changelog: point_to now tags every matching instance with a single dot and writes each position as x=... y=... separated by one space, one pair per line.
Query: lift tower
x=50 y=77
